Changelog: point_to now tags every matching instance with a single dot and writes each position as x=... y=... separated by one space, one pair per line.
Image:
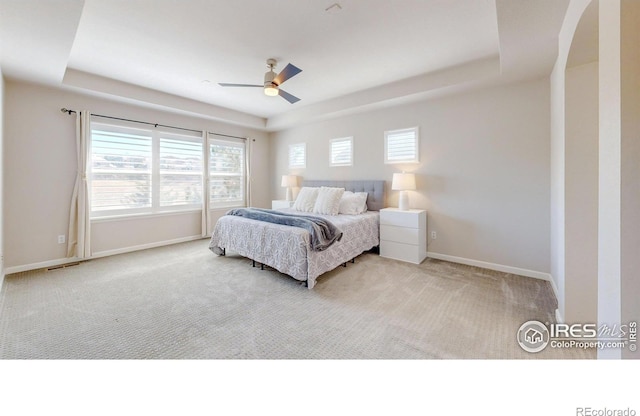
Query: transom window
x=401 y=146
x=341 y=152
x=297 y=156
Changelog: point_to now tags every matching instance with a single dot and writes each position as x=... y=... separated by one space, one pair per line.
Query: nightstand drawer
x=411 y=218
x=403 y=234
x=404 y=252
x=400 y=234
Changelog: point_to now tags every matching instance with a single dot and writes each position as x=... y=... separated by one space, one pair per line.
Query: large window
x=180 y=171
x=140 y=171
x=227 y=173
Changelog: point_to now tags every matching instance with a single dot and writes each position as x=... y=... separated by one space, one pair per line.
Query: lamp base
x=403 y=203
x=289 y=194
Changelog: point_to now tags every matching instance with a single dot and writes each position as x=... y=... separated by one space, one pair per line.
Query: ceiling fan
x=272 y=81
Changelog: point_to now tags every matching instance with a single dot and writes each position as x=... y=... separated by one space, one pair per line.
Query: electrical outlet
x=434 y=235
x=61 y=239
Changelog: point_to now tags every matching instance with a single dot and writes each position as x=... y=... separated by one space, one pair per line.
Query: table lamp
x=403 y=182
x=289 y=181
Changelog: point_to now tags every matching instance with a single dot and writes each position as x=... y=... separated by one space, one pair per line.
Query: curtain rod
x=66 y=110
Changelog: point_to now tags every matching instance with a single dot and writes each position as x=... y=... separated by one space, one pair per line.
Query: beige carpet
x=184 y=302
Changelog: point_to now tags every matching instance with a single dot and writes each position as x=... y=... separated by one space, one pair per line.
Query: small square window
x=298 y=156
x=401 y=146
x=341 y=151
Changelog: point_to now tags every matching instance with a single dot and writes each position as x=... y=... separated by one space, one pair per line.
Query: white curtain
x=206 y=214
x=79 y=240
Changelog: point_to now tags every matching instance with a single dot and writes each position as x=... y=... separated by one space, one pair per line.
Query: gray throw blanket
x=323 y=233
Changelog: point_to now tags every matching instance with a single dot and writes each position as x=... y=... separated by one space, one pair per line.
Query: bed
x=287 y=249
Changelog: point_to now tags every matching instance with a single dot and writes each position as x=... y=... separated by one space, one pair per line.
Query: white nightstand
x=403 y=234
x=281 y=203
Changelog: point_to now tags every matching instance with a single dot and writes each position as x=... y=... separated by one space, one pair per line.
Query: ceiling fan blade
x=288 y=72
x=224 y=84
x=291 y=98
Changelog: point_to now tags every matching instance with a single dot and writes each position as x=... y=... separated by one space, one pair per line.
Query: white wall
x=483 y=176
x=557 y=219
x=609 y=192
x=1 y=180
x=40 y=171
x=557 y=136
x=618 y=190
x=630 y=173
x=581 y=193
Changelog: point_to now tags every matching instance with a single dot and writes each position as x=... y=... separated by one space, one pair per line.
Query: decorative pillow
x=362 y=201
x=306 y=199
x=328 y=202
x=353 y=203
x=365 y=207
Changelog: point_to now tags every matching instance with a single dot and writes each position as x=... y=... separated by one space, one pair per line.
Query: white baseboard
x=40 y=265
x=130 y=249
x=559 y=317
x=492 y=266
x=555 y=290
x=105 y=253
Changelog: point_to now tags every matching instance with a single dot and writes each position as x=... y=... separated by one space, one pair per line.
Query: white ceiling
x=172 y=53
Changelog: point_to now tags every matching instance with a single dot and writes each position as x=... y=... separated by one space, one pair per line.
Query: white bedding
x=287 y=249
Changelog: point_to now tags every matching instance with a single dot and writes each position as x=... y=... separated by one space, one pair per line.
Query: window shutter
x=341 y=151
x=401 y=146
x=227 y=173
x=298 y=156
x=143 y=171
x=180 y=171
x=120 y=169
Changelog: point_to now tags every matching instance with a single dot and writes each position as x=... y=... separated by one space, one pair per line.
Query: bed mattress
x=287 y=249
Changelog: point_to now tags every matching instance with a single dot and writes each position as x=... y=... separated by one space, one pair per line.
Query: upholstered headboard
x=375 y=189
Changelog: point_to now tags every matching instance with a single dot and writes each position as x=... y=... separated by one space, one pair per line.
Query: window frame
x=155 y=136
x=416 y=145
x=243 y=175
x=303 y=165
x=348 y=139
x=186 y=138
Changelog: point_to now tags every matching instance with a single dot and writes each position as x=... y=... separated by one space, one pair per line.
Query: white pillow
x=363 y=199
x=306 y=199
x=353 y=203
x=328 y=202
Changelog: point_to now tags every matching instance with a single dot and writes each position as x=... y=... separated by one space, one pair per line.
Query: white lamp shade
x=403 y=182
x=289 y=181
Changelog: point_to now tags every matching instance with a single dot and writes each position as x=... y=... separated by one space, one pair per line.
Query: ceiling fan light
x=271 y=91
